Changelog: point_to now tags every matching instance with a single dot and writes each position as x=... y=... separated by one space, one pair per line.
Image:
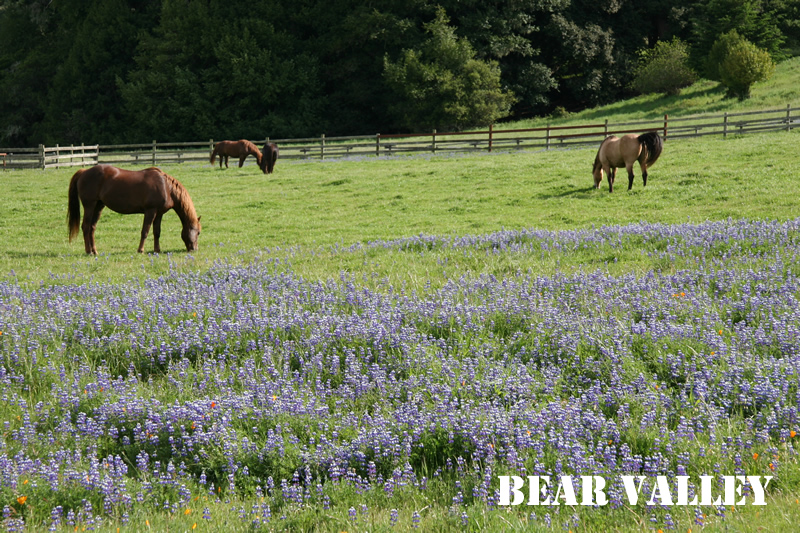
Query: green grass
x=318 y=204
x=303 y=211
x=306 y=207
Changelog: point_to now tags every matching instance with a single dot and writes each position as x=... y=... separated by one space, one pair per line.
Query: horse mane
x=653 y=145
x=181 y=197
x=597 y=163
x=252 y=149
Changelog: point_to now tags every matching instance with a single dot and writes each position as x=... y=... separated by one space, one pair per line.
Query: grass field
x=314 y=205
x=366 y=345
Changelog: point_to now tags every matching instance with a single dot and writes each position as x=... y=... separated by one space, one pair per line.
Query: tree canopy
x=113 y=71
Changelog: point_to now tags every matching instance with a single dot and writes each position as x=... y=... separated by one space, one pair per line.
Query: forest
x=114 y=71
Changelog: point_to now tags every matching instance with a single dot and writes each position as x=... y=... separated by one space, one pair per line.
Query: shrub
x=664 y=69
x=719 y=51
x=744 y=65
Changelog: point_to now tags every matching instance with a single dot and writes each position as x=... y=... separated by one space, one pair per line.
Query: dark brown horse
x=241 y=149
x=268 y=157
x=149 y=191
x=616 y=152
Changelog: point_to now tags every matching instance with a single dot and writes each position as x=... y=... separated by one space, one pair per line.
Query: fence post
x=605 y=129
x=154 y=152
x=788 y=117
x=433 y=145
x=210 y=146
x=491 y=130
x=41 y=156
x=322 y=147
x=666 y=120
x=725 y=126
x=377 y=144
x=547 y=138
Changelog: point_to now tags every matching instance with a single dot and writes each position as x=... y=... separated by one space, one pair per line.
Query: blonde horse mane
x=597 y=163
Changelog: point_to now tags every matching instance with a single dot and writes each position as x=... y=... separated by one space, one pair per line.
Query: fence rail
x=544 y=138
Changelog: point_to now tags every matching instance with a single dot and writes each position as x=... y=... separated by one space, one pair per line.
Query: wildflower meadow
x=279 y=400
x=386 y=384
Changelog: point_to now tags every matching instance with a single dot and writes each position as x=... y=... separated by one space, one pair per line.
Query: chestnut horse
x=615 y=152
x=241 y=149
x=150 y=191
x=268 y=157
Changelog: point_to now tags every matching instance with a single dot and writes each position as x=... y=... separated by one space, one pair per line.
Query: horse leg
x=241 y=160
x=91 y=214
x=149 y=216
x=629 y=167
x=611 y=173
x=644 y=174
x=226 y=162
x=157 y=232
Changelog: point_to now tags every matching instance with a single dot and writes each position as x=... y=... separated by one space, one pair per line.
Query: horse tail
x=653 y=145
x=270 y=156
x=273 y=157
x=74 y=206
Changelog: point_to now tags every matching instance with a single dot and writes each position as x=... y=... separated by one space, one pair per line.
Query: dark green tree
x=83 y=103
x=29 y=53
x=755 y=20
x=221 y=69
x=441 y=85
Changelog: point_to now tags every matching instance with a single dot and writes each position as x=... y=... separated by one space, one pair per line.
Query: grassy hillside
x=703 y=97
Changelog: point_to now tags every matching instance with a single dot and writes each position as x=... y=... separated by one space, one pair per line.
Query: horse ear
x=198 y=218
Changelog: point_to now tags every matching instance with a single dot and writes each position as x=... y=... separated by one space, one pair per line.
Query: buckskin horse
x=241 y=149
x=616 y=152
x=150 y=191
x=269 y=155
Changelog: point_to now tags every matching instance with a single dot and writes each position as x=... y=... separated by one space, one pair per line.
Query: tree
x=719 y=51
x=442 y=85
x=222 y=69
x=752 y=19
x=744 y=65
x=83 y=102
x=664 y=68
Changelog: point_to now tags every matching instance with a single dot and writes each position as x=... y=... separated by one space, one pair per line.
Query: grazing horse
x=616 y=152
x=241 y=149
x=269 y=157
x=150 y=191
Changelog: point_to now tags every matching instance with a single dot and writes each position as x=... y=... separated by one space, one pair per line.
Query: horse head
x=190 y=234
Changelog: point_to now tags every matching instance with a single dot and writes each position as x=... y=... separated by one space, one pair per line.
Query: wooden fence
x=545 y=138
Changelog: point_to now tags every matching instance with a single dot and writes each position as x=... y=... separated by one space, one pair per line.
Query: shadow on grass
x=585 y=192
